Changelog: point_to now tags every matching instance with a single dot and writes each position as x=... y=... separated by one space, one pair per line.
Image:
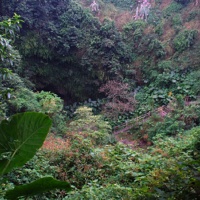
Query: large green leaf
x=37 y=187
x=20 y=138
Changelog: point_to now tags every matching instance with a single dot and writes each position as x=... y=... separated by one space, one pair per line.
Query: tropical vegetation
x=99 y=105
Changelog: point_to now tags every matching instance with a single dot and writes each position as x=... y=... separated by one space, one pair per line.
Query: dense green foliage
x=123 y=95
x=184 y=40
x=92 y=125
x=9 y=57
x=116 y=172
x=72 y=49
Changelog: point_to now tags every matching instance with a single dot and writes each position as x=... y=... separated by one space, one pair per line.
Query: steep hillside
x=120 y=80
x=74 y=50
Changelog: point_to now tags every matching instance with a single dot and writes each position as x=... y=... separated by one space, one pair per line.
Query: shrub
x=184 y=40
x=50 y=103
x=26 y=100
x=193 y=14
x=177 y=118
x=134 y=25
x=171 y=9
x=78 y=163
x=192 y=82
x=59 y=123
x=157 y=48
x=92 y=126
x=170 y=126
x=94 y=191
x=165 y=65
x=159 y=29
x=177 y=22
x=120 y=100
x=96 y=106
x=23 y=100
x=134 y=30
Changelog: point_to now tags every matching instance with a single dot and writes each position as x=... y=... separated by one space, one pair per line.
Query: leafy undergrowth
x=163 y=163
x=169 y=169
x=163 y=59
x=99 y=168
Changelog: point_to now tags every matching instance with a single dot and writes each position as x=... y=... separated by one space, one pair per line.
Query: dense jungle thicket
x=123 y=95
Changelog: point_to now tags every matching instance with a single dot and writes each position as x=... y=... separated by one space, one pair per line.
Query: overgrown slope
x=74 y=51
x=154 y=66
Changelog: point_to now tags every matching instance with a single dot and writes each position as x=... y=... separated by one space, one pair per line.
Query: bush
x=76 y=159
x=120 y=99
x=192 y=81
x=157 y=48
x=24 y=99
x=96 y=106
x=177 y=118
x=193 y=14
x=92 y=126
x=59 y=123
x=171 y=9
x=94 y=191
x=36 y=168
x=50 y=103
x=184 y=40
x=177 y=22
x=159 y=29
x=170 y=127
x=134 y=30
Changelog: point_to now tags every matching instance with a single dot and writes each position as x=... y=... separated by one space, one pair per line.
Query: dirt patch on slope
x=168 y=33
x=165 y=3
x=193 y=25
x=122 y=19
